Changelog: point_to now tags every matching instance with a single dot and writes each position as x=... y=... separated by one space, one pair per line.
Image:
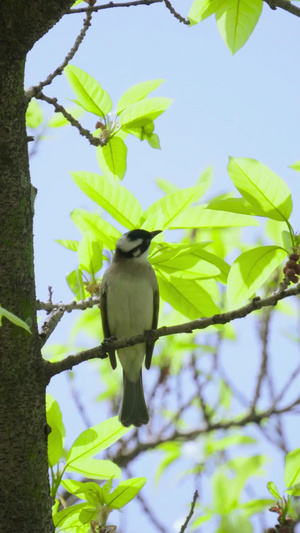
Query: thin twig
x=114 y=4
x=189 y=516
x=264 y=336
x=188 y=327
x=60 y=109
x=33 y=91
x=81 y=305
x=176 y=15
x=284 y=4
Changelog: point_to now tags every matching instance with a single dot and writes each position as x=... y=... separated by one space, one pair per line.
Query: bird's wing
x=150 y=345
x=105 y=326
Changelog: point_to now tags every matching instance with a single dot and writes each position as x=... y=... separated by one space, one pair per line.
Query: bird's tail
x=133 y=408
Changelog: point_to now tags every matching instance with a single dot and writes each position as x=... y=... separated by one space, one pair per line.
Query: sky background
x=245 y=105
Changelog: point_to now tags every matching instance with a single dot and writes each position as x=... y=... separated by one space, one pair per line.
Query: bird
x=129 y=303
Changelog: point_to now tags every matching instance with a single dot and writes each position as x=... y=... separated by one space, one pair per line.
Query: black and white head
x=135 y=244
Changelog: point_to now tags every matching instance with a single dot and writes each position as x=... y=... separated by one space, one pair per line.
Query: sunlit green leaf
x=57 y=434
x=256 y=506
x=186 y=296
x=118 y=201
x=296 y=166
x=94 y=440
x=75 y=282
x=199 y=217
x=201 y=9
x=187 y=258
x=172 y=452
x=137 y=92
x=166 y=186
x=174 y=203
x=112 y=158
x=89 y=92
x=14 y=319
x=69 y=517
x=125 y=492
x=90 y=253
x=69 y=244
x=214 y=445
x=34 y=114
x=234 y=205
x=94 y=468
x=267 y=193
x=236 y=20
x=144 y=111
x=105 y=232
x=292 y=468
x=250 y=271
x=273 y=490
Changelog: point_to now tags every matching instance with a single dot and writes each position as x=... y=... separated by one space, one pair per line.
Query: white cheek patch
x=126 y=245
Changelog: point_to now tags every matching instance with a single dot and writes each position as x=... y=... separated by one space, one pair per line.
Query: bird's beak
x=154 y=233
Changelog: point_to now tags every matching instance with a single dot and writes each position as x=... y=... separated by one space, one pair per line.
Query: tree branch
x=60 y=109
x=80 y=305
x=178 y=436
x=284 y=4
x=33 y=91
x=189 y=516
x=176 y=15
x=201 y=323
x=115 y=4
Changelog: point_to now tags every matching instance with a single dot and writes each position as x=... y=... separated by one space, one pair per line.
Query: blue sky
x=245 y=106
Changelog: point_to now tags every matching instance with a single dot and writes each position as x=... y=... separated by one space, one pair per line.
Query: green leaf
x=236 y=20
x=174 y=203
x=273 y=490
x=199 y=217
x=214 y=445
x=69 y=517
x=56 y=437
x=267 y=193
x=102 y=230
x=94 y=440
x=75 y=282
x=112 y=158
x=90 y=253
x=186 y=296
x=89 y=92
x=256 y=506
x=201 y=9
x=234 y=205
x=185 y=257
x=58 y=120
x=145 y=111
x=90 y=491
x=69 y=244
x=14 y=319
x=94 y=468
x=118 y=201
x=296 y=166
x=153 y=140
x=173 y=452
x=166 y=186
x=34 y=114
x=137 y=92
x=292 y=468
x=125 y=492
x=250 y=271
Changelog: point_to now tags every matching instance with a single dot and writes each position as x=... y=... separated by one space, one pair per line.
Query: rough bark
x=24 y=485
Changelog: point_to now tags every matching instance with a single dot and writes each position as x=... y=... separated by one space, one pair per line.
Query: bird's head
x=135 y=244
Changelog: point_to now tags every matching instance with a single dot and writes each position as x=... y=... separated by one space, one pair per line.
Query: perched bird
x=129 y=306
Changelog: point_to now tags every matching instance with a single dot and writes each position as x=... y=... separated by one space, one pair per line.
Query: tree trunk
x=24 y=484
